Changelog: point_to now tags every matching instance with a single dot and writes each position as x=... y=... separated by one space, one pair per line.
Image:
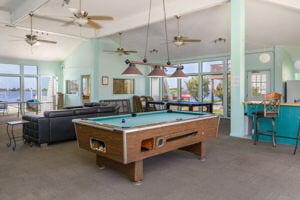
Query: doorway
x=212 y=91
x=86 y=88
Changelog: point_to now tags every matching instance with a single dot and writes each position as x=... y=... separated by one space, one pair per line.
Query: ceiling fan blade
x=191 y=40
x=94 y=24
x=47 y=41
x=68 y=23
x=98 y=17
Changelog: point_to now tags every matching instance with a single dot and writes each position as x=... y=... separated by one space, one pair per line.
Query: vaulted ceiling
x=268 y=23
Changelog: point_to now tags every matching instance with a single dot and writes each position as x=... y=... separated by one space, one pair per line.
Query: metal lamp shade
x=178 y=74
x=132 y=71
x=157 y=72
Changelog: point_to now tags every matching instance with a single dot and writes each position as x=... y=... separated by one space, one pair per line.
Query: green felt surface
x=142 y=119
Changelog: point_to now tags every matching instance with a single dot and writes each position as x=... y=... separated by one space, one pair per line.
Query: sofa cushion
x=91 y=104
x=84 y=111
x=59 y=113
x=72 y=107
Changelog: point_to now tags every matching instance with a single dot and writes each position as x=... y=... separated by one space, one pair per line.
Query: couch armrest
x=37 y=130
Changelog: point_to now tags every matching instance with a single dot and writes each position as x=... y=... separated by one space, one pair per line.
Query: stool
x=271 y=105
x=297 y=138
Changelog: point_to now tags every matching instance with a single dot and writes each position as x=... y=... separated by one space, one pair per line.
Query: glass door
x=212 y=91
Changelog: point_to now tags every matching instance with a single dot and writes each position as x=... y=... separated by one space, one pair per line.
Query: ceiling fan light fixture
x=132 y=70
x=81 y=21
x=178 y=73
x=157 y=72
x=178 y=43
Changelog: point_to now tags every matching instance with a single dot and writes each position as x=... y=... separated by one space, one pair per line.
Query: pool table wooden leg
x=133 y=170
x=198 y=149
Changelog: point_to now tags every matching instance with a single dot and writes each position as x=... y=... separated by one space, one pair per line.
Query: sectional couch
x=57 y=126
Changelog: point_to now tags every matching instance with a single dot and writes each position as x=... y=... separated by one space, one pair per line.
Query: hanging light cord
x=166 y=32
x=147 y=35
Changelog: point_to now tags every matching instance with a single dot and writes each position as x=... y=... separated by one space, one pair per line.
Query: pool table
x=122 y=142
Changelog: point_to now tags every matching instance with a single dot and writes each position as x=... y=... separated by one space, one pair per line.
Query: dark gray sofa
x=57 y=126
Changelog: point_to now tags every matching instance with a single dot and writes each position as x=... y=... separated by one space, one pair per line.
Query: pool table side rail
x=140 y=128
x=150 y=113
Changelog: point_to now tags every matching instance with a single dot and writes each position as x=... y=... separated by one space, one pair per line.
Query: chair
x=271 y=104
x=137 y=104
x=140 y=104
x=33 y=105
x=3 y=107
x=298 y=137
x=151 y=107
x=124 y=104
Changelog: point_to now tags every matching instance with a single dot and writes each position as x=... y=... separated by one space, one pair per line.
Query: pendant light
x=158 y=69
x=178 y=73
x=157 y=72
x=132 y=70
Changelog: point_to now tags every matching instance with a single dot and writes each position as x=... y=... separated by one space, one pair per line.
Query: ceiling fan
x=180 y=40
x=120 y=50
x=81 y=18
x=32 y=39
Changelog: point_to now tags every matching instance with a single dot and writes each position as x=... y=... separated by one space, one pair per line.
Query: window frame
x=22 y=77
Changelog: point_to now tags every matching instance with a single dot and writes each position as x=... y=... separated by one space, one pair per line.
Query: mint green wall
x=284 y=65
x=112 y=65
x=89 y=58
x=80 y=62
x=293 y=54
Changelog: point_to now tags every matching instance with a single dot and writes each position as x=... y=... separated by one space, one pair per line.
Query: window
x=170 y=88
x=212 y=91
x=189 y=88
x=30 y=88
x=191 y=68
x=9 y=69
x=155 y=88
x=46 y=88
x=18 y=83
x=30 y=70
x=213 y=66
x=229 y=65
x=10 y=88
x=258 y=84
x=169 y=71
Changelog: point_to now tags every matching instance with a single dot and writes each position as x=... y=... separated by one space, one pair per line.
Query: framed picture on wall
x=72 y=87
x=105 y=80
x=123 y=86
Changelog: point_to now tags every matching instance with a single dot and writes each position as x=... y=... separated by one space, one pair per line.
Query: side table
x=10 y=132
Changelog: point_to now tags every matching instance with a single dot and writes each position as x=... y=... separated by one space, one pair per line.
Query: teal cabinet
x=286 y=123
